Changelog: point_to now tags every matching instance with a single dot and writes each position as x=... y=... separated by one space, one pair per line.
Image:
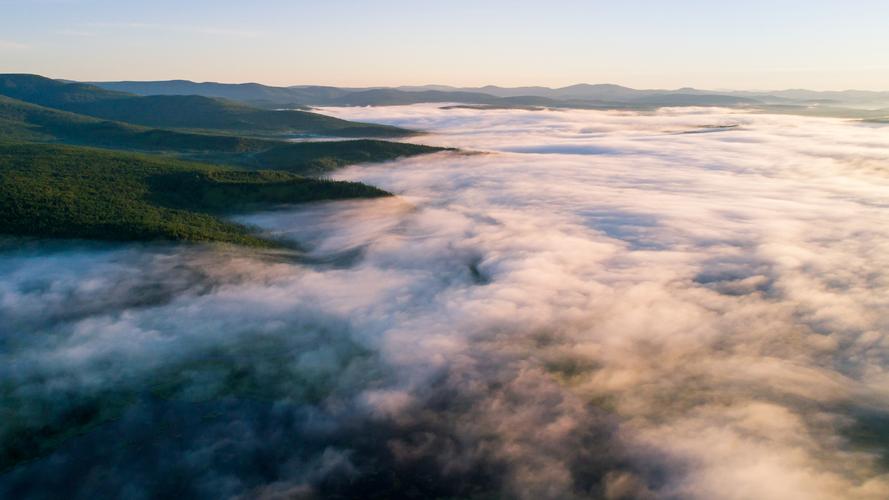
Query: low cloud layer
x=593 y=305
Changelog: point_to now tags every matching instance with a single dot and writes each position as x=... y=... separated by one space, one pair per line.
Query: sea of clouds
x=690 y=303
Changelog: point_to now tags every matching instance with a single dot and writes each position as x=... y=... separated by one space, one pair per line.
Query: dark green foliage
x=219 y=190
x=69 y=192
x=870 y=430
x=48 y=92
x=26 y=437
x=259 y=367
x=316 y=158
x=22 y=121
x=190 y=112
x=205 y=113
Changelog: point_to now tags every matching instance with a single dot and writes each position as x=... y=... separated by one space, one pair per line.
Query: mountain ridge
x=576 y=95
x=182 y=111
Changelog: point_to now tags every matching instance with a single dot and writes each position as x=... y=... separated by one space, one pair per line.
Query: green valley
x=70 y=175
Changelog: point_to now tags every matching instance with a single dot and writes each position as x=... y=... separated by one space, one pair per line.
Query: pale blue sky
x=758 y=44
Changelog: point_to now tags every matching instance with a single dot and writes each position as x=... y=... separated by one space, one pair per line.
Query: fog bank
x=683 y=304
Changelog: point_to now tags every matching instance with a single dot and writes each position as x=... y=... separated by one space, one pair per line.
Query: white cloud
x=595 y=307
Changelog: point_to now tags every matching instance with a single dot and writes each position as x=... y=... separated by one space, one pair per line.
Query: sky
x=754 y=44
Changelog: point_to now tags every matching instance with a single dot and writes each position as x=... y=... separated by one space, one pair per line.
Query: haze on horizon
x=757 y=45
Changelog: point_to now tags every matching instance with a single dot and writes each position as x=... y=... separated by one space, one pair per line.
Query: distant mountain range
x=600 y=96
x=618 y=93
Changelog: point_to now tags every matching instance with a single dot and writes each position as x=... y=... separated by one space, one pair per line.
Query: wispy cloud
x=182 y=28
x=76 y=32
x=11 y=45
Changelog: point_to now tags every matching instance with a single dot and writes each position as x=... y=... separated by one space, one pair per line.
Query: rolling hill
x=184 y=112
x=211 y=114
x=29 y=122
x=76 y=192
x=53 y=183
x=21 y=121
x=251 y=93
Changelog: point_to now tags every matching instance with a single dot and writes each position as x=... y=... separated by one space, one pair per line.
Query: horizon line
x=456 y=87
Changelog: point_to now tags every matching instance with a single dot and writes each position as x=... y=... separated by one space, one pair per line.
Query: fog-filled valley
x=683 y=303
